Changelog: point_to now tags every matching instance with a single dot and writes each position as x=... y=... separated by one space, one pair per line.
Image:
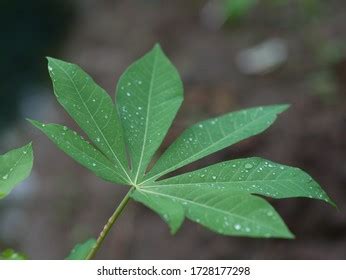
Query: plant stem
x=109 y=224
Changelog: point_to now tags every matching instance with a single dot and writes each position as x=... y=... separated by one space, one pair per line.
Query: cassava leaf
x=81 y=151
x=224 y=197
x=224 y=211
x=252 y=175
x=11 y=255
x=81 y=251
x=149 y=95
x=92 y=108
x=213 y=135
x=15 y=166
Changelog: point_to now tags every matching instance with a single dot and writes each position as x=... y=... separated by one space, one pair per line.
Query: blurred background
x=231 y=54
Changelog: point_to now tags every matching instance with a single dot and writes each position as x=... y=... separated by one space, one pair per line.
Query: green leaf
x=251 y=175
x=15 y=166
x=224 y=211
x=224 y=197
x=149 y=95
x=219 y=196
x=81 y=251
x=83 y=152
x=92 y=108
x=213 y=135
x=10 y=254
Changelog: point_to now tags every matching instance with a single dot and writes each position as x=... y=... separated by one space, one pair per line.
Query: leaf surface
x=92 y=108
x=252 y=175
x=15 y=166
x=213 y=135
x=81 y=251
x=223 y=211
x=149 y=95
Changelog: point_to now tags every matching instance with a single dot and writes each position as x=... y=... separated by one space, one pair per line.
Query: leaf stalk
x=106 y=229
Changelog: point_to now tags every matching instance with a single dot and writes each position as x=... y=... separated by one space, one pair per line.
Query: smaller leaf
x=171 y=213
x=81 y=151
x=212 y=135
x=15 y=166
x=91 y=107
x=252 y=175
x=223 y=211
x=10 y=254
x=149 y=95
x=81 y=251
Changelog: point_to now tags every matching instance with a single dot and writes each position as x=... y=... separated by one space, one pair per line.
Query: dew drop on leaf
x=248 y=166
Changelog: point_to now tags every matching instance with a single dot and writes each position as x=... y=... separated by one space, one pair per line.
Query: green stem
x=109 y=225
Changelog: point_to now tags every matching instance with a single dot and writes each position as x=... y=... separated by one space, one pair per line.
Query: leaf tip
x=157 y=47
x=282 y=107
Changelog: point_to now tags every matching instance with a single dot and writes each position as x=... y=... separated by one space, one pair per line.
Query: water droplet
x=128 y=94
x=214 y=177
x=248 y=166
x=50 y=68
x=94 y=164
x=237 y=227
x=64 y=128
x=139 y=82
x=5 y=177
x=98 y=139
x=200 y=125
x=106 y=117
x=94 y=100
x=269 y=213
x=247 y=229
x=139 y=108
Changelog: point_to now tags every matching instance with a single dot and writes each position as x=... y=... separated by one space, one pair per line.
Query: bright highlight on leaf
x=81 y=251
x=226 y=197
x=15 y=166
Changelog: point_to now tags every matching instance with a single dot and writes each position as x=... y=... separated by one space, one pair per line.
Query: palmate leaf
x=15 y=166
x=224 y=197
